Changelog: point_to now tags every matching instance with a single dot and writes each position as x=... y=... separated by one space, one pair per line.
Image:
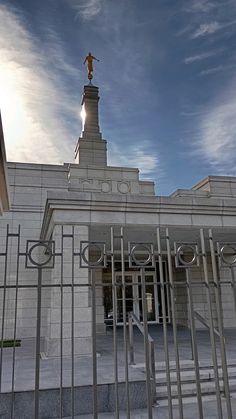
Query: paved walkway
x=190 y=412
x=50 y=368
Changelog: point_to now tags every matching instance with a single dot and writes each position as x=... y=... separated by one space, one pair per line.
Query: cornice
x=162 y=206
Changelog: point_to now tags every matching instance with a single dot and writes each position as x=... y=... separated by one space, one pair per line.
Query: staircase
x=188 y=380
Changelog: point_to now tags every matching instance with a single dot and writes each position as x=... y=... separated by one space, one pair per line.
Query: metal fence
x=141 y=283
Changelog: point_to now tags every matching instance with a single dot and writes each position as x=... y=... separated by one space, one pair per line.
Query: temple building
x=88 y=203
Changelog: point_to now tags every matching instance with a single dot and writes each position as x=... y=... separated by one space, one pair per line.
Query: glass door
x=133 y=296
x=129 y=300
x=151 y=298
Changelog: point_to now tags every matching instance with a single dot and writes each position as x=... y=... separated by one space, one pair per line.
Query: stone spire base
x=91 y=148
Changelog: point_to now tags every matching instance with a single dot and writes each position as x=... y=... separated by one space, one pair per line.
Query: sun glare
x=12 y=105
x=83 y=116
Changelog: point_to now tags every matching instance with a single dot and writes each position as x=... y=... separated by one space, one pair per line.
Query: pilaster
x=69 y=300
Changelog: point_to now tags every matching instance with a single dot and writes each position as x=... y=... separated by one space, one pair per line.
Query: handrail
x=133 y=318
x=139 y=324
x=204 y=322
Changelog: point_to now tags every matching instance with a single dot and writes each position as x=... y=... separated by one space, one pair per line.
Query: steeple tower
x=91 y=148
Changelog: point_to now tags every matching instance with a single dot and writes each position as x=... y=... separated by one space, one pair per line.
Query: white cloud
x=201 y=6
x=206 y=28
x=217 y=69
x=207 y=6
x=184 y=30
x=199 y=57
x=32 y=94
x=210 y=28
x=137 y=156
x=217 y=139
x=86 y=8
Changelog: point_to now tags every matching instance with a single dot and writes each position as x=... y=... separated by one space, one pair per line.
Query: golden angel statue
x=89 y=60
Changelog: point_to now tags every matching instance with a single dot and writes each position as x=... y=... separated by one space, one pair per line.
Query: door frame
x=136 y=283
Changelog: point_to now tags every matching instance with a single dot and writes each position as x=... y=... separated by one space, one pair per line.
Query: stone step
x=206 y=398
x=188 y=378
x=206 y=374
x=161 y=366
x=189 y=389
x=184 y=365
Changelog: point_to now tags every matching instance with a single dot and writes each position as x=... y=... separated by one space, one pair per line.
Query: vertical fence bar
x=146 y=345
x=94 y=342
x=168 y=310
x=163 y=303
x=194 y=343
x=153 y=370
x=38 y=333
x=61 y=325
x=233 y=284
x=220 y=326
x=15 y=326
x=124 y=322
x=131 y=340
x=114 y=308
x=4 y=304
x=72 y=325
x=174 y=324
x=211 y=321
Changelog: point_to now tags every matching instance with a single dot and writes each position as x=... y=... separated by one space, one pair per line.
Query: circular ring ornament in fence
x=146 y=249
x=186 y=255
x=86 y=248
x=228 y=254
x=40 y=254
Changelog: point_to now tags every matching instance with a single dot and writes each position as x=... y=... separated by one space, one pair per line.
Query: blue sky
x=167 y=79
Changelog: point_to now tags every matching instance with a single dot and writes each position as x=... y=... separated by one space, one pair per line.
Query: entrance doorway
x=133 y=298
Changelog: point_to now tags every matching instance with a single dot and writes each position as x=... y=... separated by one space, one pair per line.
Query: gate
x=59 y=358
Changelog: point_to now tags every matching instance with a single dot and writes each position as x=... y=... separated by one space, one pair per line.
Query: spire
x=90 y=106
x=91 y=148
